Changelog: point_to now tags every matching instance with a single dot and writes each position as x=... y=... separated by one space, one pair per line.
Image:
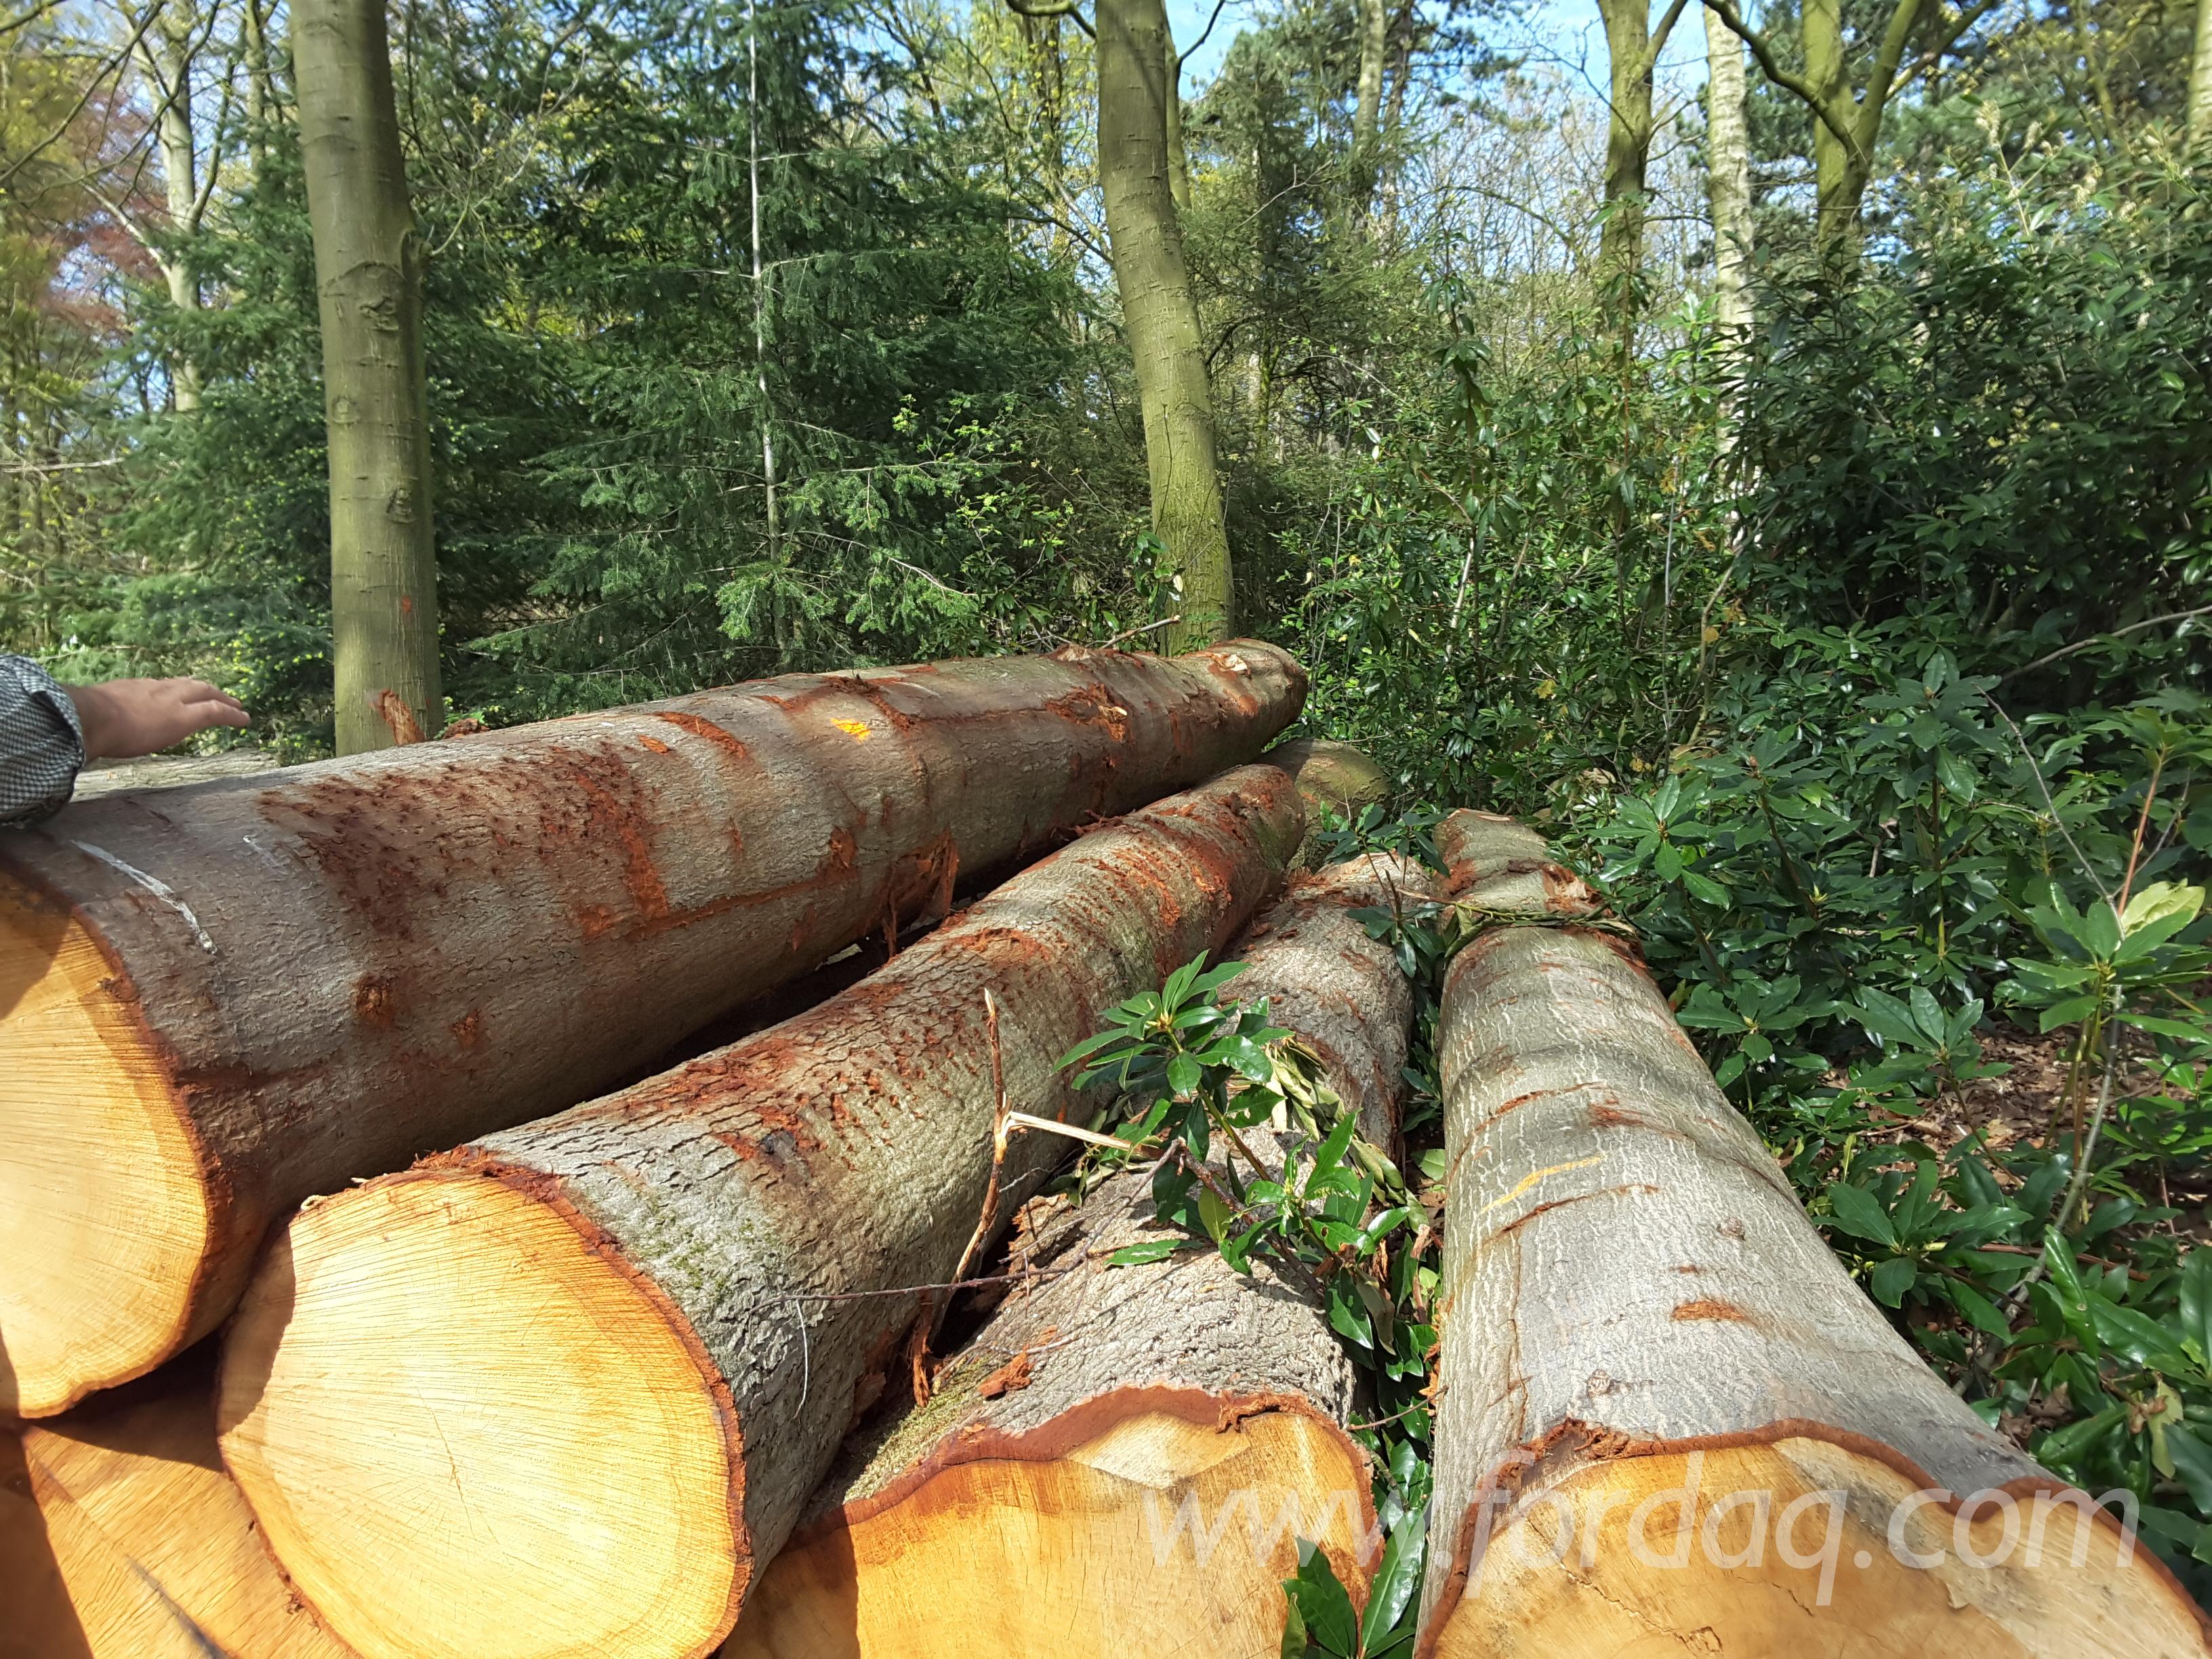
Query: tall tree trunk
x=165 y=55
x=1839 y=175
x=2200 y=81
x=1178 y=152
x=1630 y=51
x=1160 y=311
x=369 y=274
x=1730 y=177
x=220 y=1001
x=1367 y=105
x=705 y=1276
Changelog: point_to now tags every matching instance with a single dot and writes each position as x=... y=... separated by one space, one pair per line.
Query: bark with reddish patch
x=1626 y=1270
x=1336 y=985
x=765 y=1194
x=340 y=966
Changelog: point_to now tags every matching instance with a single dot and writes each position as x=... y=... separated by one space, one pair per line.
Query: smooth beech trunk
x=122 y=1538
x=1671 y=1422
x=216 y=1001
x=1159 y=309
x=1106 y=1422
x=368 y=282
x=567 y=1390
x=1335 y=987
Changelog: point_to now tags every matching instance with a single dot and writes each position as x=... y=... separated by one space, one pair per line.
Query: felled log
x=1332 y=777
x=216 y=1001
x=1171 y=1428
x=1337 y=988
x=565 y=1390
x=121 y=1537
x=1671 y=1422
x=1120 y=1463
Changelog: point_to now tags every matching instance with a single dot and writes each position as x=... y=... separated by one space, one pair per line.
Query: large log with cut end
x=1118 y=1467
x=121 y=1537
x=1336 y=986
x=564 y=1391
x=215 y=1001
x=1671 y=1422
x=1171 y=1428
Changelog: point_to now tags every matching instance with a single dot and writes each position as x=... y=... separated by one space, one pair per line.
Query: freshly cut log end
x=1332 y=777
x=104 y=1217
x=468 y=1346
x=1629 y=1282
x=218 y=1000
x=121 y=1538
x=1781 y=1543
x=559 y=1394
x=1337 y=988
x=1118 y=1466
x=1085 y=1541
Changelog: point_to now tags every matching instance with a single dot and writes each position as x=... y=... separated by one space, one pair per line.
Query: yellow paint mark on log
x=1529 y=1180
x=857 y=730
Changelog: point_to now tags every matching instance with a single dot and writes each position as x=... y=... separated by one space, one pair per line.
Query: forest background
x=1770 y=449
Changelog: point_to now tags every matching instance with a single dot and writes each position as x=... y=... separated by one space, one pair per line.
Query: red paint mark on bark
x=374 y=1000
x=699 y=727
x=398 y=719
x=1713 y=1308
x=655 y=744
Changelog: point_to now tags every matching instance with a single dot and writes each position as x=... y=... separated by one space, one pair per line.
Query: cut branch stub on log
x=216 y=1001
x=1671 y=1421
x=1332 y=777
x=564 y=1391
x=1119 y=1465
x=1335 y=987
x=121 y=1537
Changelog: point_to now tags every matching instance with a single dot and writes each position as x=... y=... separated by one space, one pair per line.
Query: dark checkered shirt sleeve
x=41 y=743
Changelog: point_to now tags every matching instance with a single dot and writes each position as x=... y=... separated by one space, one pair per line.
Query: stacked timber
x=1174 y=1426
x=122 y=1538
x=580 y=1377
x=1671 y=1422
x=219 y=1000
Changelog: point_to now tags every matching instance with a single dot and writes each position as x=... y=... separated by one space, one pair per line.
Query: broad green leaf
x=1185 y=1074
x=1136 y=1256
x=1891 y=1279
x=1323 y=1604
x=2192 y=1464
x=2194 y=1311
x=1981 y=1311
x=1397 y=1580
x=1856 y=1211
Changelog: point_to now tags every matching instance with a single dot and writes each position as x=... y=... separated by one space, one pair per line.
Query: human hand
x=124 y=719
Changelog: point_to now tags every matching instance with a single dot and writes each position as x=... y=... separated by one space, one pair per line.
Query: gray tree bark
x=368 y=278
x=843 y=1154
x=1728 y=171
x=1332 y=778
x=1337 y=989
x=319 y=972
x=1160 y=311
x=2200 y=81
x=1629 y=1282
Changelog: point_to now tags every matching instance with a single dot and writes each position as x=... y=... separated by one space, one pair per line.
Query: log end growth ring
x=1136 y=1525
x=105 y=1211
x=598 y=1476
x=1803 y=1540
